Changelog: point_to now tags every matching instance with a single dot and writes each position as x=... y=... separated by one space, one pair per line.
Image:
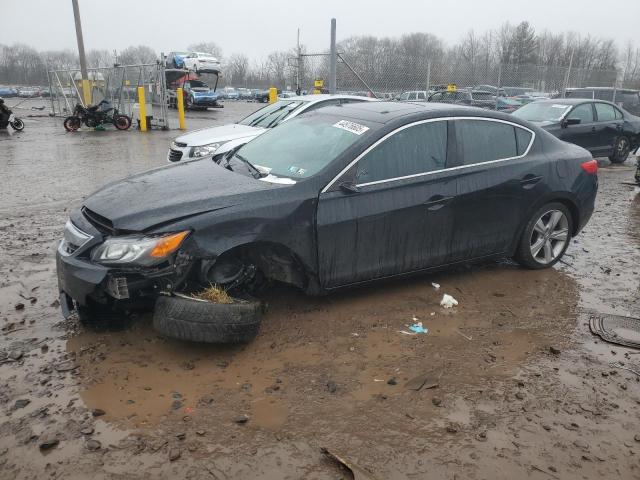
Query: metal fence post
x=333 y=60
x=428 y=76
x=498 y=85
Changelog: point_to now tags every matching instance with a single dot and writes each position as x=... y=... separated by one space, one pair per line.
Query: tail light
x=591 y=167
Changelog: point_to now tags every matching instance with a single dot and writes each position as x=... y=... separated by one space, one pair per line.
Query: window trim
x=433 y=172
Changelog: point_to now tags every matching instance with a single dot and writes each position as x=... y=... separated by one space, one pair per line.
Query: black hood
x=170 y=193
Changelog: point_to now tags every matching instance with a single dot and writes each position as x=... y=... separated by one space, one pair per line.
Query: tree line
x=507 y=55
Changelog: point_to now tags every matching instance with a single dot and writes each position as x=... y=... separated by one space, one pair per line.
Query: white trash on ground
x=435 y=285
x=448 y=301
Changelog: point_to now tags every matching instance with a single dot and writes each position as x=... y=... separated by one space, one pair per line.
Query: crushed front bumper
x=83 y=282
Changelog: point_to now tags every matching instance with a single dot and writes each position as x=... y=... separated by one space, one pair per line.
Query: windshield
x=303 y=146
x=542 y=111
x=271 y=115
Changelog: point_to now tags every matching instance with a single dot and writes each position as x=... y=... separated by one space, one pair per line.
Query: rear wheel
x=546 y=237
x=71 y=124
x=17 y=125
x=122 y=122
x=621 y=149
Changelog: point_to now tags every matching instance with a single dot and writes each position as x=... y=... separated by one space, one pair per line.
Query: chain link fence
x=117 y=85
x=389 y=78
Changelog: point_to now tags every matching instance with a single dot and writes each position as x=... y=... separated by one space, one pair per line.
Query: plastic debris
x=448 y=301
x=435 y=285
x=418 y=328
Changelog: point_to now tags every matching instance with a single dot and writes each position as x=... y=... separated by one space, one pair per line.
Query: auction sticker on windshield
x=351 y=127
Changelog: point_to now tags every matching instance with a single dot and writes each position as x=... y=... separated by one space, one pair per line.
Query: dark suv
x=623 y=97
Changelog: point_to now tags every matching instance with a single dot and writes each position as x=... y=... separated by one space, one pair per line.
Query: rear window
x=482 y=141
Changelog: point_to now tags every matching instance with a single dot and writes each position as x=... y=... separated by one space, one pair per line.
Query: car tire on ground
x=546 y=236
x=621 y=149
x=201 y=321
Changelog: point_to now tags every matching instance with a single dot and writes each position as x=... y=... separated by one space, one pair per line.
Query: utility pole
x=86 y=87
x=299 y=65
x=333 y=59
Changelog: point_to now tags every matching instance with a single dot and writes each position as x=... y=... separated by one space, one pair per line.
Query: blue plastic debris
x=418 y=328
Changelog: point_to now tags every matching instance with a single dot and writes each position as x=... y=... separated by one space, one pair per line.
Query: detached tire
x=201 y=321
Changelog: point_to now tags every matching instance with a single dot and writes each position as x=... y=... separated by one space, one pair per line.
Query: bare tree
x=238 y=68
x=206 y=47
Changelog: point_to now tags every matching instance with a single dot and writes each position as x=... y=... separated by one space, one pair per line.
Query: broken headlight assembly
x=140 y=250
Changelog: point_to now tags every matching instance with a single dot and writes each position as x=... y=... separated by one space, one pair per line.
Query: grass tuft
x=214 y=294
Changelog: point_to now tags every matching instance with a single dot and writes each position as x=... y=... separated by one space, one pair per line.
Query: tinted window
x=421 y=96
x=418 y=149
x=584 y=112
x=482 y=141
x=436 y=97
x=523 y=138
x=412 y=96
x=605 y=112
x=618 y=114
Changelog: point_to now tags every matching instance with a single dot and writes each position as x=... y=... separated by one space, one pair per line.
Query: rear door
x=584 y=133
x=395 y=216
x=610 y=125
x=496 y=181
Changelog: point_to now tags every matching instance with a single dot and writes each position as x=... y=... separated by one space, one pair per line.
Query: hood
x=170 y=193
x=225 y=133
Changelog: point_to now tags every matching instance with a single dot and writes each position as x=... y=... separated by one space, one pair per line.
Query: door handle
x=529 y=181
x=437 y=202
x=593 y=129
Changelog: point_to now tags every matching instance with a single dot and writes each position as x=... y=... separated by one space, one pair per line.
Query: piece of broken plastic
x=448 y=301
x=435 y=285
x=418 y=328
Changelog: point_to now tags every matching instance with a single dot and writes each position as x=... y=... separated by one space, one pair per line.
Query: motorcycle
x=96 y=115
x=15 y=122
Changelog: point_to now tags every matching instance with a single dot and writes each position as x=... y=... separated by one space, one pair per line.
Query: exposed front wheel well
x=270 y=261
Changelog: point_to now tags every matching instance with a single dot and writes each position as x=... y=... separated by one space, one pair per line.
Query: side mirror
x=349 y=187
x=571 y=121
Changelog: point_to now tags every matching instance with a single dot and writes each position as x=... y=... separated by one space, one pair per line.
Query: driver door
x=391 y=215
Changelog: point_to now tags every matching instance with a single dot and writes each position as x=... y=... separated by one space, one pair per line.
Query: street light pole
x=86 y=87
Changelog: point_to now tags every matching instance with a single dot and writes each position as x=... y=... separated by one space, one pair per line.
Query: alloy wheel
x=623 y=146
x=549 y=236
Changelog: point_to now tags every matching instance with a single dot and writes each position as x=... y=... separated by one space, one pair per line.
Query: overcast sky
x=257 y=27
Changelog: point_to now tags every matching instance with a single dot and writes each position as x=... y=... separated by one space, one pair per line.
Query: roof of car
x=384 y=112
x=569 y=101
x=325 y=96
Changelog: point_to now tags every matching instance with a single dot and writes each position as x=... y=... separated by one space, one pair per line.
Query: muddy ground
x=513 y=383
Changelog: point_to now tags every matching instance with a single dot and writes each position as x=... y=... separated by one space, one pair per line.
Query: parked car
x=532 y=97
x=474 y=98
x=231 y=93
x=495 y=91
x=413 y=95
x=287 y=94
x=176 y=59
x=8 y=92
x=623 y=97
x=515 y=91
x=29 y=92
x=216 y=141
x=507 y=105
x=261 y=96
x=316 y=203
x=202 y=62
x=245 y=94
x=197 y=95
x=599 y=126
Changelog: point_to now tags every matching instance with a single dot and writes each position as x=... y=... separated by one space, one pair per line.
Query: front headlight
x=206 y=150
x=137 y=249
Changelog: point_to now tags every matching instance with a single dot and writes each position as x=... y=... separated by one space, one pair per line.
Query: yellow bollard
x=143 y=110
x=180 y=105
x=86 y=91
x=273 y=95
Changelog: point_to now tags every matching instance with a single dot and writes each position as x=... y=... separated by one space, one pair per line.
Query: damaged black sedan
x=338 y=197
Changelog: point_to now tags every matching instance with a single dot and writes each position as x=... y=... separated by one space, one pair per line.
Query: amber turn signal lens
x=169 y=244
